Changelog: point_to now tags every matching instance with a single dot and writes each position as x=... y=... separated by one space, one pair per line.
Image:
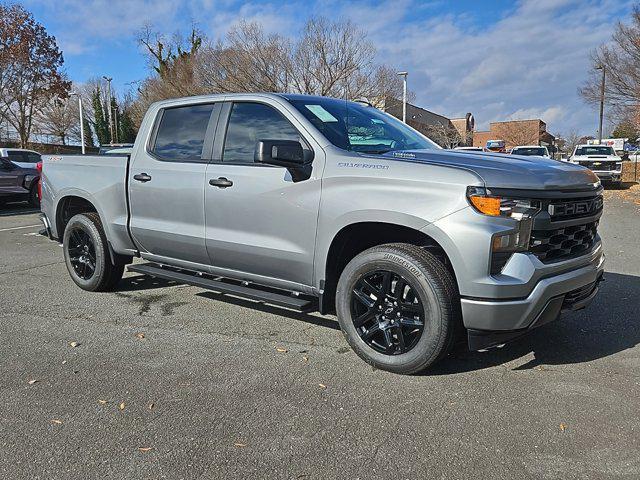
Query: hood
x=507 y=171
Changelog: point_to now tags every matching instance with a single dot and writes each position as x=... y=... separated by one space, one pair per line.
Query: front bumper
x=609 y=175
x=491 y=323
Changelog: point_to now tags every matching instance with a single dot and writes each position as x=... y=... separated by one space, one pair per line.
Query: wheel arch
x=356 y=237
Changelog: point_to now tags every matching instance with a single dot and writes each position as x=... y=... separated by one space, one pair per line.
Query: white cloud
x=530 y=61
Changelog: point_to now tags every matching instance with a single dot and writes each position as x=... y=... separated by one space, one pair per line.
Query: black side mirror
x=285 y=153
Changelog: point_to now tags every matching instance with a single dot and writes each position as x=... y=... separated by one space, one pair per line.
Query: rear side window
x=33 y=157
x=16 y=156
x=180 y=135
x=251 y=122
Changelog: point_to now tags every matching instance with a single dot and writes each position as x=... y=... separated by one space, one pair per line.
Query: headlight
x=505 y=244
x=484 y=202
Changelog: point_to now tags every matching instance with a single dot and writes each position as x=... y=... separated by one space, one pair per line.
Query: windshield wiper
x=375 y=152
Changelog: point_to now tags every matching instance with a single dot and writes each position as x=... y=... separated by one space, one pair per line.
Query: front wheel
x=398 y=307
x=86 y=254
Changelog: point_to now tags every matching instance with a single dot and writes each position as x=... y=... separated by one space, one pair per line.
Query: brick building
x=515 y=132
x=427 y=122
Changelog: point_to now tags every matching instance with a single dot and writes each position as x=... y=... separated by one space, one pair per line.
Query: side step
x=298 y=303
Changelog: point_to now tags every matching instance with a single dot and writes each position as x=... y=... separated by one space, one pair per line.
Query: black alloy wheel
x=387 y=312
x=82 y=253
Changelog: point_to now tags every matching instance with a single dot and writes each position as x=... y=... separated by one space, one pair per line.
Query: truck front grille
x=563 y=243
x=601 y=166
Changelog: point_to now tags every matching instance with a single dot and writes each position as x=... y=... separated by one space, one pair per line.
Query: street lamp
x=108 y=79
x=604 y=75
x=404 y=95
x=81 y=119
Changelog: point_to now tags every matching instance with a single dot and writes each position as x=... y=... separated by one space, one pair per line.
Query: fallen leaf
x=322 y=385
x=305 y=359
x=32 y=381
x=56 y=421
x=74 y=344
x=145 y=449
x=240 y=445
x=121 y=406
x=151 y=405
x=563 y=427
x=281 y=350
x=140 y=335
x=102 y=402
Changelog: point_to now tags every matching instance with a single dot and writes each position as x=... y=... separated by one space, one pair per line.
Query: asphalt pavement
x=166 y=381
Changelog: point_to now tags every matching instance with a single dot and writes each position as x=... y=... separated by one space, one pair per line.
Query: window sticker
x=321 y=113
x=378 y=121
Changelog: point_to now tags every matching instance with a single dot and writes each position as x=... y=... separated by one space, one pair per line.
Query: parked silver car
x=317 y=203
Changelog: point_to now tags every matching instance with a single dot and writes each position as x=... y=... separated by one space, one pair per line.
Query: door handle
x=142 y=177
x=220 y=182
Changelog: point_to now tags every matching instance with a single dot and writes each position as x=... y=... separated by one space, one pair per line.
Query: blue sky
x=495 y=58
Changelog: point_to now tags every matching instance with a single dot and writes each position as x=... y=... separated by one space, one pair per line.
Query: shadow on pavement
x=143 y=282
x=15 y=209
x=302 y=317
x=611 y=324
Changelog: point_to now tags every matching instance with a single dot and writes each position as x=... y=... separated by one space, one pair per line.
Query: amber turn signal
x=486 y=205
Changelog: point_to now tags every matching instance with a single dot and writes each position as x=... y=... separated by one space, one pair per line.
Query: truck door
x=166 y=185
x=258 y=220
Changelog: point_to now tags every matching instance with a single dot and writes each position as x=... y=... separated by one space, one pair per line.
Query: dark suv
x=18 y=183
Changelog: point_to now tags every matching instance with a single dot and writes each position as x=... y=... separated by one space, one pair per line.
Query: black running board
x=261 y=294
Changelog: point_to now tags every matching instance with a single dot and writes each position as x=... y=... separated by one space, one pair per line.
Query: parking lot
x=161 y=380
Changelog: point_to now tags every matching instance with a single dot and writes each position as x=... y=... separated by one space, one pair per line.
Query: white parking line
x=18 y=228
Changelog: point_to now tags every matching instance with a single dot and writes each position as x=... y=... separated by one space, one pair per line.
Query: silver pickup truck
x=313 y=203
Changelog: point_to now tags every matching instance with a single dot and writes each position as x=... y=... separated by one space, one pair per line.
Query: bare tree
x=569 y=141
x=329 y=58
x=31 y=69
x=517 y=132
x=445 y=135
x=59 y=117
x=621 y=60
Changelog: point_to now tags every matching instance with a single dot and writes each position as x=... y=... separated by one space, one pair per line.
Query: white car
x=601 y=160
x=21 y=157
x=531 y=151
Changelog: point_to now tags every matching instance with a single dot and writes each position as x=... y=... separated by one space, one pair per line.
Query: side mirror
x=6 y=165
x=285 y=153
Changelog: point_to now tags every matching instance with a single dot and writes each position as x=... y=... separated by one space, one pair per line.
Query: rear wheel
x=398 y=307
x=86 y=254
x=34 y=200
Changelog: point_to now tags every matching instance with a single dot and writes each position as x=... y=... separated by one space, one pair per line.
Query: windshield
x=530 y=151
x=360 y=128
x=595 y=150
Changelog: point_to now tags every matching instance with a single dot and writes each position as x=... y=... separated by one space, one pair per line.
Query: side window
x=250 y=123
x=180 y=135
x=16 y=156
x=33 y=157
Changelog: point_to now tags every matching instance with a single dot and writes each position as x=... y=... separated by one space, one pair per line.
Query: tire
x=87 y=229
x=430 y=295
x=34 y=200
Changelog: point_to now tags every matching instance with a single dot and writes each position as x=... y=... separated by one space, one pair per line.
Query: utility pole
x=81 y=120
x=404 y=95
x=108 y=79
x=602 y=85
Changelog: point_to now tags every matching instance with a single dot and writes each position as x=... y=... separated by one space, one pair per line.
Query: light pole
x=404 y=95
x=108 y=79
x=604 y=75
x=81 y=120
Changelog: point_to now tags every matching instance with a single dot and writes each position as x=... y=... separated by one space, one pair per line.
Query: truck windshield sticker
x=321 y=113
